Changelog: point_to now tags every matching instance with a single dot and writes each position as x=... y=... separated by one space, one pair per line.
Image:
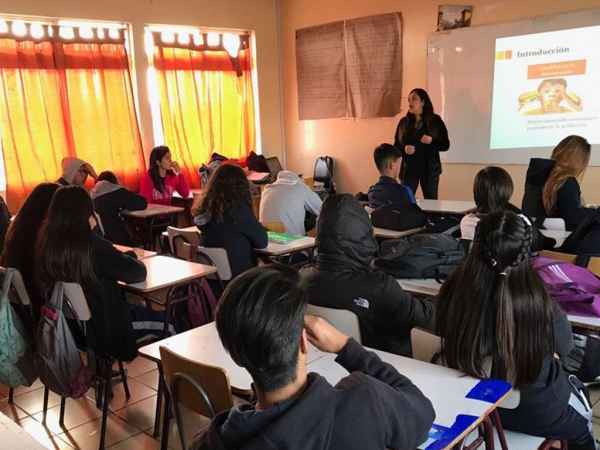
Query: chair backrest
x=191 y=236
x=554 y=224
x=256 y=206
x=368 y=209
x=564 y=257
x=214 y=380
x=344 y=320
x=275 y=227
x=76 y=298
x=212 y=256
x=18 y=287
x=425 y=344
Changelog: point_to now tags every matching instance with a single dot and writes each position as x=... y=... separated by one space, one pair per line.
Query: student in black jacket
x=388 y=191
x=223 y=214
x=110 y=199
x=68 y=250
x=261 y=323
x=342 y=279
x=497 y=320
x=421 y=135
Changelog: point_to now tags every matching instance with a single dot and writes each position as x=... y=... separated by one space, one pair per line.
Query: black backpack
x=398 y=217
x=323 y=177
x=420 y=256
x=257 y=163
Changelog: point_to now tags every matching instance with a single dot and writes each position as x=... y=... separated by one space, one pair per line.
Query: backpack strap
x=539 y=223
x=56 y=299
x=582 y=260
x=6 y=286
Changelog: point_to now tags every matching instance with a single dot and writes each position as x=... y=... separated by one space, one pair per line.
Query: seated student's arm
x=116 y=264
x=405 y=311
x=440 y=142
x=406 y=415
x=146 y=187
x=182 y=186
x=249 y=226
x=312 y=202
x=131 y=201
x=568 y=204
x=563 y=334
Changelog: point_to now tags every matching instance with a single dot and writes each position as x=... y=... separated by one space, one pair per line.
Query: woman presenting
x=421 y=135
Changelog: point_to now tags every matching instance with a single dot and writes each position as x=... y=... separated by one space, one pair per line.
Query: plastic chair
x=211 y=256
x=342 y=319
x=554 y=224
x=199 y=387
x=275 y=227
x=191 y=237
x=425 y=344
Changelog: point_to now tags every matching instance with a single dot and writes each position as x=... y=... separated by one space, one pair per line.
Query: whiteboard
x=460 y=80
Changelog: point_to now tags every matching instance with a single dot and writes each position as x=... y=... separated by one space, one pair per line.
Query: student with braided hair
x=497 y=320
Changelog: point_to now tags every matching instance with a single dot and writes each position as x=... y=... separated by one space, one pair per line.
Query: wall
x=257 y=15
x=351 y=142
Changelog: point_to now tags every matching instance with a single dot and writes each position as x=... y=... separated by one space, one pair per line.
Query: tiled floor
x=130 y=426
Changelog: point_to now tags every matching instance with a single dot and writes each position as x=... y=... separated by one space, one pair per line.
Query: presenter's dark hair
x=427 y=116
x=260 y=318
x=492 y=189
x=496 y=306
x=384 y=154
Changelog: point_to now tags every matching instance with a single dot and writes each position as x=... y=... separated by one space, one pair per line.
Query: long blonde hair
x=571 y=155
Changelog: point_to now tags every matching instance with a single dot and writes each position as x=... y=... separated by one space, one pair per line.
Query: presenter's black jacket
x=568 y=206
x=342 y=279
x=372 y=408
x=425 y=162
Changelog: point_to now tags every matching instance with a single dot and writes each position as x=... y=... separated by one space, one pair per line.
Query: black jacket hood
x=345 y=234
x=539 y=171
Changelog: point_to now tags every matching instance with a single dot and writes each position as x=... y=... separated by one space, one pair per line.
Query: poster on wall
x=374 y=65
x=321 y=72
x=454 y=16
x=351 y=68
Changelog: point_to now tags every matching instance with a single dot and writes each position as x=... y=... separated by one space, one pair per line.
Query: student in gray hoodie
x=262 y=324
x=110 y=199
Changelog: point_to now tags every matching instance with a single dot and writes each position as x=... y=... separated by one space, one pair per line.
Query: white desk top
x=427 y=286
x=194 y=192
x=272 y=249
x=202 y=344
x=446 y=388
x=384 y=233
x=560 y=236
x=139 y=252
x=447 y=206
x=13 y=437
x=165 y=272
x=153 y=210
x=589 y=323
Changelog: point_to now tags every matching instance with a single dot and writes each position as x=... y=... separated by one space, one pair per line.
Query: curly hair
x=227 y=183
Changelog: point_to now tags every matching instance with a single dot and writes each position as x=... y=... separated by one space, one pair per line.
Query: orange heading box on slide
x=556 y=69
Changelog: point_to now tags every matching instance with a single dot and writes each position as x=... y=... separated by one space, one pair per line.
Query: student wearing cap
x=75 y=172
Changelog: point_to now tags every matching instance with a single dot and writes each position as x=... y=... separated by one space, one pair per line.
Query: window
x=66 y=91
x=201 y=86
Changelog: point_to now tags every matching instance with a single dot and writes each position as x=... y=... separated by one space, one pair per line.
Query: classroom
x=299 y=224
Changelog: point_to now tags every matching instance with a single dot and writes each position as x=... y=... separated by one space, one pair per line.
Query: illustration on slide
x=553 y=98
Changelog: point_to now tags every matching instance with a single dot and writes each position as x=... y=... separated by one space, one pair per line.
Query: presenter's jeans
x=429 y=186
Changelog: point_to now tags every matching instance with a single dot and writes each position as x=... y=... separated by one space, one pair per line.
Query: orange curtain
x=207 y=105
x=66 y=100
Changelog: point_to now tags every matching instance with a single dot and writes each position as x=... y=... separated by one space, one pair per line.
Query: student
x=552 y=186
x=262 y=325
x=19 y=247
x=163 y=178
x=497 y=319
x=75 y=172
x=342 y=279
x=68 y=250
x=492 y=190
x=223 y=214
x=387 y=190
x=288 y=200
x=421 y=136
x=110 y=199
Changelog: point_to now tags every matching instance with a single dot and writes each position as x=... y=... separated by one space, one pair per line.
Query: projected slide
x=546 y=87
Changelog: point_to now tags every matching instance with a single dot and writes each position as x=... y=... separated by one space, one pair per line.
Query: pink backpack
x=575 y=289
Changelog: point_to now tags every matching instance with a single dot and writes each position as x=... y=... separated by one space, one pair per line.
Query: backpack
x=57 y=358
x=420 y=256
x=16 y=356
x=575 y=289
x=323 y=177
x=398 y=217
x=257 y=163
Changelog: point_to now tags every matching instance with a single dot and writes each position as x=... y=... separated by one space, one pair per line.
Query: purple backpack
x=575 y=289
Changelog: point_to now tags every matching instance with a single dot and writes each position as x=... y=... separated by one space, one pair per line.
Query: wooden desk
x=153 y=210
x=446 y=388
x=13 y=437
x=272 y=249
x=446 y=206
x=427 y=287
x=139 y=252
x=384 y=233
x=559 y=236
x=587 y=323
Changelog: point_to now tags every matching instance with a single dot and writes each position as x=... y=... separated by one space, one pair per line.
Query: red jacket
x=172 y=183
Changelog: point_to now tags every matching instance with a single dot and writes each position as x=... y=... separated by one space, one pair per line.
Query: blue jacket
x=388 y=191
